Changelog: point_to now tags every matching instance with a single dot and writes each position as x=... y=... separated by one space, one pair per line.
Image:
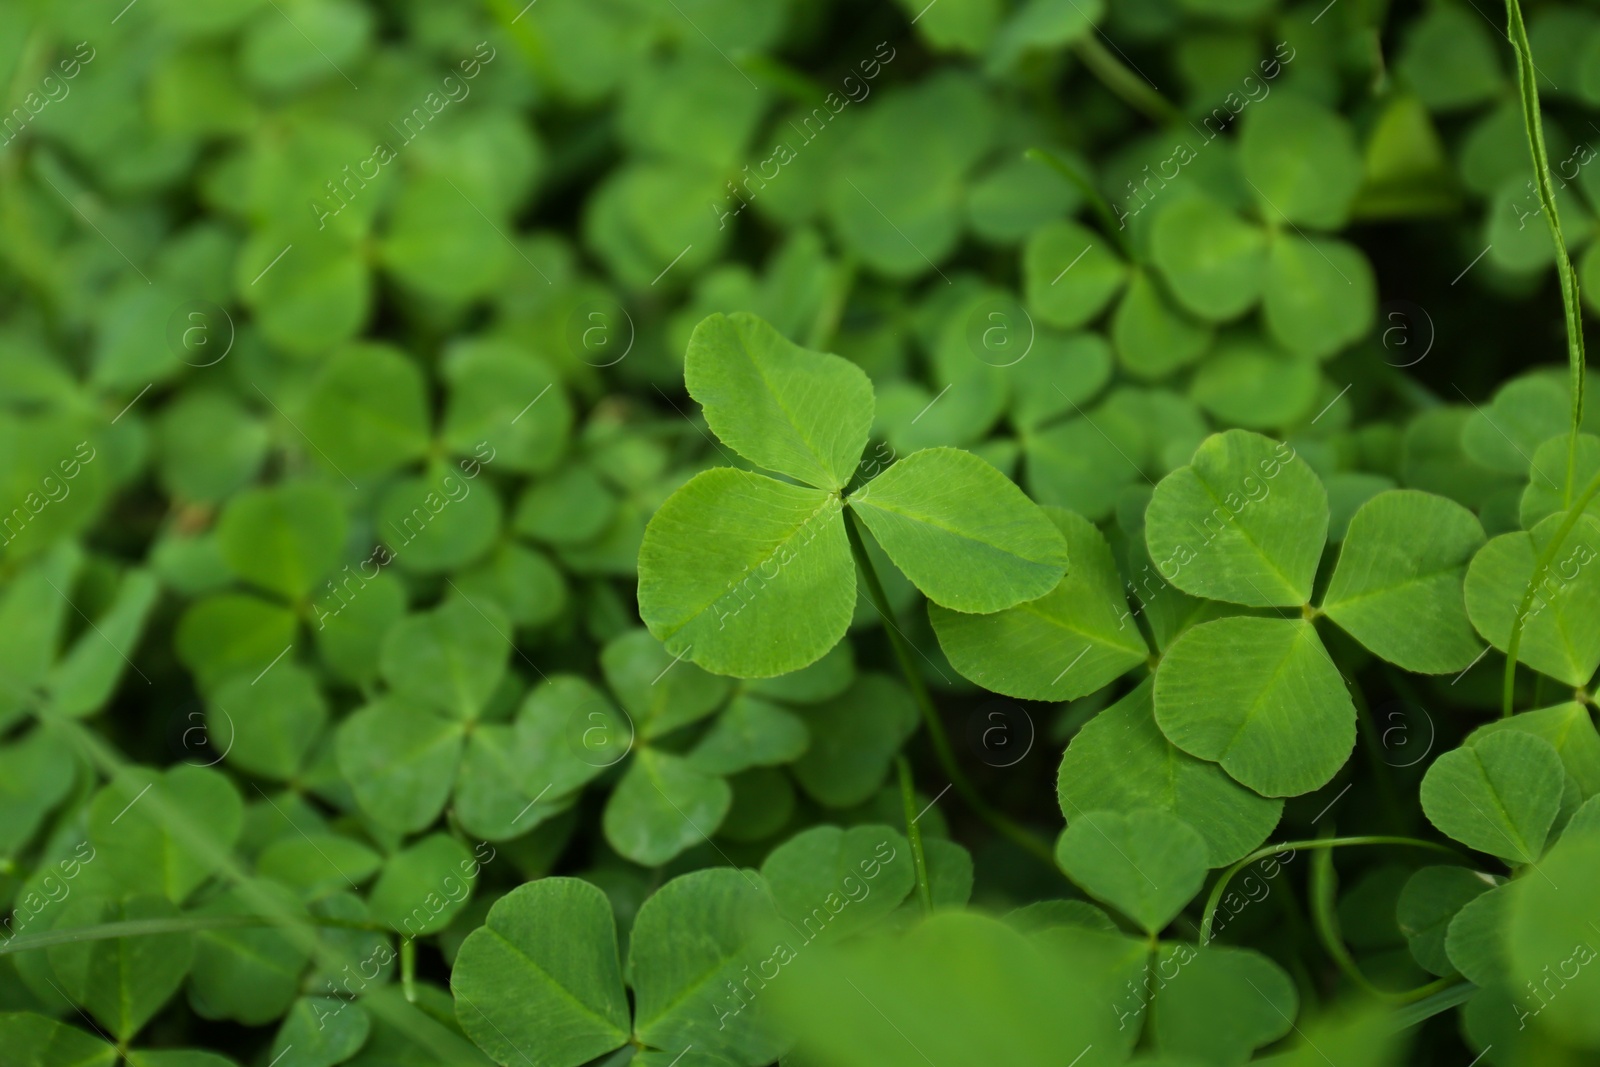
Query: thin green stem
x=908 y=800
x=1326 y=922
x=1541 y=567
x=1128 y=85
x=1080 y=181
x=408 y=969
x=180 y=924
x=1221 y=887
x=930 y=716
x=1528 y=91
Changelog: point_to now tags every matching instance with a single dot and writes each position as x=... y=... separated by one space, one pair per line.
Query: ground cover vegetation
x=714 y=533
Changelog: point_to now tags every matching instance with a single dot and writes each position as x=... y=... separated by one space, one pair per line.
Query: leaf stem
x=1528 y=91
x=930 y=716
x=914 y=833
x=181 y=924
x=1326 y=922
x=1215 y=898
x=1129 y=87
x=1080 y=181
x=408 y=969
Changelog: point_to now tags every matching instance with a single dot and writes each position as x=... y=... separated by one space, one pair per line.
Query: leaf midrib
x=557 y=986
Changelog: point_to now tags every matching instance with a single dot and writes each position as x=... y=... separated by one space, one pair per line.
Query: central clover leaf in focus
x=751 y=576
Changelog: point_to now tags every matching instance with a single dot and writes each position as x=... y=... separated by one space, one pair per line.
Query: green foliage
x=575 y=534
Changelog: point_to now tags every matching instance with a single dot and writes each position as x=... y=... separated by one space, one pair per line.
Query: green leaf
x=36 y=1041
x=567 y=732
x=966 y=989
x=1319 y=295
x=1430 y=900
x=1068 y=643
x=828 y=883
x=507 y=400
x=800 y=413
x=324 y=1032
x=1561 y=632
x=122 y=981
x=1571 y=732
x=751 y=732
x=1260 y=697
x=745 y=575
x=1070 y=274
x=317 y=863
x=1213 y=260
x=1213 y=983
x=450 y=659
x=283 y=539
x=87 y=676
x=1244 y=522
x=250 y=974
x=539 y=981
x=660 y=693
x=232 y=633
x=1153 y=339
x=1545 y=494
x=961 y=531
x=1400 y=595
x=1256 y=386
x=1120 y=761
x=36 y=773
x=165 y=833
x=265 y=726
x=1476 y=941
x=662 y=806
x=692 y=937
x=423 y=887
x=854 y=737
x=1147 y=863
x=367 y=413
x=400 y=761
x=1548 y=938
x=1498 y=795
x=1300 y=160
x=439 y=521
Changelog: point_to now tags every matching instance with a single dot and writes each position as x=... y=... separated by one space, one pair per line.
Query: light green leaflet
x=1063 y=645
x=123 y=982
x=1498 y=795
x=962 y=531
x=1120 y=761
x=1548 y=931
x=1244 y=522
x=165 y=832
x=1571 y=732
x=1212 y=983
x=663 y=805
x=799 y=413
x=691 y=939
x=1561 y=634
x=541 y=978
x=829 y=882
x=283 y=539
x=1276 y=716
x=1147 y=863
x=1397 y=586
x=746 y=575
x=752 y=577
x=1212 y=259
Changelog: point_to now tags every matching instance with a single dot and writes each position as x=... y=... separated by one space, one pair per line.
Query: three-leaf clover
x=1246 y=522
x=751 y=576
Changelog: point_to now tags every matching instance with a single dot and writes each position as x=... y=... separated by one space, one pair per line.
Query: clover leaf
x=733 y=560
